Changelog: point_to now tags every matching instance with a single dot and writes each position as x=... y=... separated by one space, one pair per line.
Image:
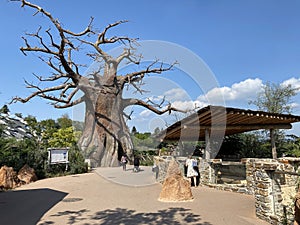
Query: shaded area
x=174 y=216
x=26 y=207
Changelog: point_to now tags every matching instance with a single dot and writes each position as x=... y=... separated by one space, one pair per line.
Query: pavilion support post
x=181 y=148
x=273 y=145
x=207 y=151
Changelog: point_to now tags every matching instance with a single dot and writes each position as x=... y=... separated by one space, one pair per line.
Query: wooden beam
x=242 y=126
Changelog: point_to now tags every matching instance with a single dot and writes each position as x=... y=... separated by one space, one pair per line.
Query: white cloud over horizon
x=237 y=94
x=294 y=82
x=242 y=91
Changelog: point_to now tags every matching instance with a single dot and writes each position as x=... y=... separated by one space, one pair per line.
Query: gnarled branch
x=154 y=108
x=138 y=75
x=42 y=93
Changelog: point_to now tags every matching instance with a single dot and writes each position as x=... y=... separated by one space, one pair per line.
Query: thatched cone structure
x=175 y=187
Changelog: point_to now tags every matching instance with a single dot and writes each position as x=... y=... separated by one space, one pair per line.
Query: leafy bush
x=33 y=151
x=77 y=164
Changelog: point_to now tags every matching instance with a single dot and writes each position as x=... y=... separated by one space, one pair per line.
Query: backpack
x=194 y=163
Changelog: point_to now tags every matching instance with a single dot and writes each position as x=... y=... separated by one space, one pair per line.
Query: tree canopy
x=275 y=98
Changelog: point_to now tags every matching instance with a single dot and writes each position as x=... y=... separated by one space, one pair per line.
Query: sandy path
x=112 y=196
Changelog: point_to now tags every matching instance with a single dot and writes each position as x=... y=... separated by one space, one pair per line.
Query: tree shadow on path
x=26 y=207
x=170 y=216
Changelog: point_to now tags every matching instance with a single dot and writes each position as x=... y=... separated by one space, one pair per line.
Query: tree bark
x=105 y=137
x=273 y=145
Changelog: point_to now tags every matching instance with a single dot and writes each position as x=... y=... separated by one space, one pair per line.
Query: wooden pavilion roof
x=221 y=120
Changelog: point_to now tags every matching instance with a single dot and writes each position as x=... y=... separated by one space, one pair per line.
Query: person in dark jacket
x=136 y=164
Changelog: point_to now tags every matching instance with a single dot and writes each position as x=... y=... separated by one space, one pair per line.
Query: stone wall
x=273 y=183
x=160 y=167
x=161 y=164
x=209 y=170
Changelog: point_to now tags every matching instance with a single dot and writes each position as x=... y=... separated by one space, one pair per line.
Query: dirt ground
x=112 y=196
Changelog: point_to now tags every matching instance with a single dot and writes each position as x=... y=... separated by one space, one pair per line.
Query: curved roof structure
x=221 y=120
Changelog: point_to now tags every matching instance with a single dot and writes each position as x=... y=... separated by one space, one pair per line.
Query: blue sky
x=244 y=43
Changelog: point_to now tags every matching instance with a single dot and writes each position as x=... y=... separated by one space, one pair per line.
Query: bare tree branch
x=70 y=104
x=127 y=54
x=61 y=47
x=58 y=55
x=42 y=92
x=128 y=116
x=169 y=108
x=101 y=37
x=137 y=76
x=87 y=30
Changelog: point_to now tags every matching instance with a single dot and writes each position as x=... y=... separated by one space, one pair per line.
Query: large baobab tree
x=105 y=136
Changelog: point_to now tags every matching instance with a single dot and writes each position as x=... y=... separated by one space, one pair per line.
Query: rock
x=8 y=178
x=26 y=174
x=297 y=209
x=175 y=187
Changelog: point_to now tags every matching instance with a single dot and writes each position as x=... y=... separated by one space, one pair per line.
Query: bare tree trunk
x=273 y=145
x=105 y=137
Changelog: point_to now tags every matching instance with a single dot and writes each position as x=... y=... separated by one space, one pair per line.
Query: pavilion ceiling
x=221 y=120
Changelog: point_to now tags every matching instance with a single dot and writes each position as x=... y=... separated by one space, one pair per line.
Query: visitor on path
x=191 y=171
x=136 y=164
x=124 y=161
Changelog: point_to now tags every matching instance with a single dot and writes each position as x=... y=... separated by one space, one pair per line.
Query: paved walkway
x=116 y=175
x=112 y=196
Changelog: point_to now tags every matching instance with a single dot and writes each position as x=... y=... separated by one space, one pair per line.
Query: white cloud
x=243 y=90
x=238 y=92
x=145 y=113
x=294 y=82
x=188 y=105
x=176 y=94
x=237 y=95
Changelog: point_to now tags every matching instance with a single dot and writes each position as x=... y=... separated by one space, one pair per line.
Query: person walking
x=191 y=172
x=136 y=164
x=124 y=161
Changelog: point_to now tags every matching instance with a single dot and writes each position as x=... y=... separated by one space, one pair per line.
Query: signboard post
x=58 y=156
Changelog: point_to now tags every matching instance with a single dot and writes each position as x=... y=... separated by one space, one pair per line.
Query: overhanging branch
x=169 y=108
x=42 y=93
x=138 y=75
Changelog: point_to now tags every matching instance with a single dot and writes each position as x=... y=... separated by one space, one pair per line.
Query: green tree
x=134 y=130
x=156 y=131
x=76 y=161
x=17 y=153
x=64 y=137
x=4 y=109
x=275 y=98
x=292 y=146
x=64 y=121
x=33 y=125
x=47 y=128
